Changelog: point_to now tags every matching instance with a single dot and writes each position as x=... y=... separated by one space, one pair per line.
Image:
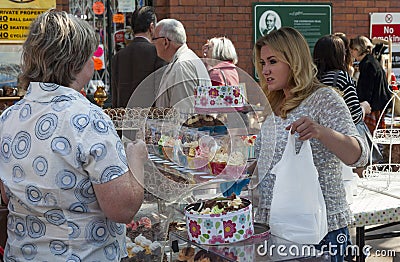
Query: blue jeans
x=335 y=243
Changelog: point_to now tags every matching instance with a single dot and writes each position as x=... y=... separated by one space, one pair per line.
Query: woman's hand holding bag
x=298 y=211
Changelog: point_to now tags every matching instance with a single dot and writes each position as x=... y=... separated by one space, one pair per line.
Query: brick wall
x=204 y=19
x=233 y=18
x=63 y=5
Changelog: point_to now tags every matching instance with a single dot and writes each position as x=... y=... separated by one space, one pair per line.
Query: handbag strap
x=335 y=78
x=334 y=82
x=223 y=76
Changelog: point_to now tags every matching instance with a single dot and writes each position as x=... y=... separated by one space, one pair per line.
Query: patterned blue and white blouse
x=327 y=108
x=55 y=145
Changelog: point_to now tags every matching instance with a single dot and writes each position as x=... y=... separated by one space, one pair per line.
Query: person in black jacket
x=131 y=65
x=372 y=85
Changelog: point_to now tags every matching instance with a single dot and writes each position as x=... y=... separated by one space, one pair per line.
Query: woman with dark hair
x=329 y=57
x=348 y=59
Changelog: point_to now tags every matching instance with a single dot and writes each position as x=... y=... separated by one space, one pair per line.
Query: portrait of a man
x=269 y=21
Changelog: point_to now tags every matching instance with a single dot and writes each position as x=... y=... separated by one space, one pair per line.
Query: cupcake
x=236 y=165
x=201 y=157
x=191 y=157
x=135 y=251
x=139 y=239
x=186 y=254
x=166 y=144
x=189 y=148
x=193 y=121
x=219 y=162
x=155 y=248
x=144 y=243
x=129 y=246
x=249 y=142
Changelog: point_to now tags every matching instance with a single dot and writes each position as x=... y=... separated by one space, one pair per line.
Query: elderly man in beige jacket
x=185 y=70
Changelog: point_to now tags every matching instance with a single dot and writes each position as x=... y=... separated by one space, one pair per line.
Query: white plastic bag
x=298 y=211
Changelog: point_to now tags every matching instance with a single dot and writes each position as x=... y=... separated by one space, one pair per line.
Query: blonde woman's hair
x=56 y=49
x=289 y=47
x=223 y=50
x=362 y=44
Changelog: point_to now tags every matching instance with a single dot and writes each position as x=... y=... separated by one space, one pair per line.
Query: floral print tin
x=215 y=98
x=214 y=229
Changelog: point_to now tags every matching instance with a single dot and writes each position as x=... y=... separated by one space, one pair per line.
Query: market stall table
x=378 y=206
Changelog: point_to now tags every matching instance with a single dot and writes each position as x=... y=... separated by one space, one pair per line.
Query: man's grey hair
x=173 y=30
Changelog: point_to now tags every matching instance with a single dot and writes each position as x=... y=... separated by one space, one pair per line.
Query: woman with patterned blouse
x=313 y=111
x=63 y=167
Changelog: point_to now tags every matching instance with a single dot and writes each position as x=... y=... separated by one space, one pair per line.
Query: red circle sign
x=98 y=8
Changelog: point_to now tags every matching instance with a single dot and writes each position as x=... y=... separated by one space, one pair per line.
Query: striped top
x=345 y=84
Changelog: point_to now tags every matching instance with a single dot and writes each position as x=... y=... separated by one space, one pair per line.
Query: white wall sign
x=126 y=6
x=387 y=26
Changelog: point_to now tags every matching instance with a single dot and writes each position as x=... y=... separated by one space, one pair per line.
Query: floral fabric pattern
x=53 y=207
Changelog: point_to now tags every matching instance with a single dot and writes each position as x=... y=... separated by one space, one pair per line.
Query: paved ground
x=389 y=247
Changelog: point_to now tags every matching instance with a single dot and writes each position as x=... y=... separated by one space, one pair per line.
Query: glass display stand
x=265 y=248
x=170 y=174
x=173 y=176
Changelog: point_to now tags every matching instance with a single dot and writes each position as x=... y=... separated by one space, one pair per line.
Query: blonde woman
x=221 y=61
x=313 y=111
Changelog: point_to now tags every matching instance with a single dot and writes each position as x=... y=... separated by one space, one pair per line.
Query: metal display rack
x=389 y=136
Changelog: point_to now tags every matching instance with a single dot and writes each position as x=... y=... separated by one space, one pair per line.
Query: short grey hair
x=223 y=49
x=57 y=48
x=173 y=30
